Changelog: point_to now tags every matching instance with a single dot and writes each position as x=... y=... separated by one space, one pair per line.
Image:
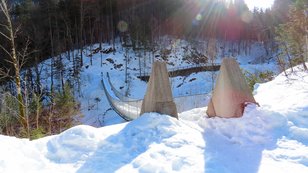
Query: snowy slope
x=98 y=113
x=152 y=143
x=93 y=102
x=270 y=138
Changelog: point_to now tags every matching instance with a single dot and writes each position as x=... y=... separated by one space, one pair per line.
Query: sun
x=261 y=4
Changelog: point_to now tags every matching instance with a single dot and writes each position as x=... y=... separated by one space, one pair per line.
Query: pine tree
x=280 y=10
x=292 y=35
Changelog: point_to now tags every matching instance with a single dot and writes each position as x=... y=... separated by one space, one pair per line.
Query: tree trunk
x=81 y=33
x=15 y=63
x=111 y=25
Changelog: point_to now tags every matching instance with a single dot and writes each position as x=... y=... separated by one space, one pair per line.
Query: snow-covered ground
x=269 y=138
x=94 y=104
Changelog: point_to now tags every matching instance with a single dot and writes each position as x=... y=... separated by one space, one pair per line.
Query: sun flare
x=261 y=4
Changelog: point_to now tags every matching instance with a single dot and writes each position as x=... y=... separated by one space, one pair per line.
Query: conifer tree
x=292 y=34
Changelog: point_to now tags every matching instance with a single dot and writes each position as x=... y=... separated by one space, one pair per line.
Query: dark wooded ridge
x=55 y=26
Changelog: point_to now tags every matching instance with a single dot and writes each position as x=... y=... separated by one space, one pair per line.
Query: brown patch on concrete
x=231 y=93
x=158 y=97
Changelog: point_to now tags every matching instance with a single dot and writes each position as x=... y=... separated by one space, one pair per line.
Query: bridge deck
x=129 y=109
x=184 y=71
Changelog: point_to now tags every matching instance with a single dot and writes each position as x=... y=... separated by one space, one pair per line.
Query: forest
x=32 y=31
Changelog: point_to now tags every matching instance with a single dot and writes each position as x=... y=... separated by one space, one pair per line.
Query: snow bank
x=151 y=143
x=236 y=145
x=288 y=95
x=270 y=138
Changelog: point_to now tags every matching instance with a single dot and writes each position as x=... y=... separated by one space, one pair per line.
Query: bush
x=55 y=116
x=165 y=54
x=8 y=114
x=64 y=110
x=257 y=77
x=37 y=133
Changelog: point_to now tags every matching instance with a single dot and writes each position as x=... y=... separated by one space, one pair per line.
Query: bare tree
x=212 y=51
x=15 y=59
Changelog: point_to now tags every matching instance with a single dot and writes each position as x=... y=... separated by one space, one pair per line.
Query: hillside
x=94 y=104
x=75 y=75
x=270 y=138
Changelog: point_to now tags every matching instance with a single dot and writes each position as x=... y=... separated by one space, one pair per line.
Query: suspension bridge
x=183 y=70
x=129 y=108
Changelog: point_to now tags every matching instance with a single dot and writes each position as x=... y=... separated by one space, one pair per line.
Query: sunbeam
x=261 y=4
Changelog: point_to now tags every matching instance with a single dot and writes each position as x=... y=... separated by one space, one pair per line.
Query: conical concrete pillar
x=158 y=97
x=231 y=93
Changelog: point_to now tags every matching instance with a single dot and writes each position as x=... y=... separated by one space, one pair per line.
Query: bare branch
x=17 y=29
x=5 y=73
x=24 y=54
x=4 y=35
x=9 y=61
x=4 y=9
x=5 y=26
x=5 y=50
x=22 y=62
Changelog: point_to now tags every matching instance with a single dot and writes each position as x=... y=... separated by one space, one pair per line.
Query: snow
x=152 y=143
x=269 y=138
x=289 y=97
x=94 y=105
